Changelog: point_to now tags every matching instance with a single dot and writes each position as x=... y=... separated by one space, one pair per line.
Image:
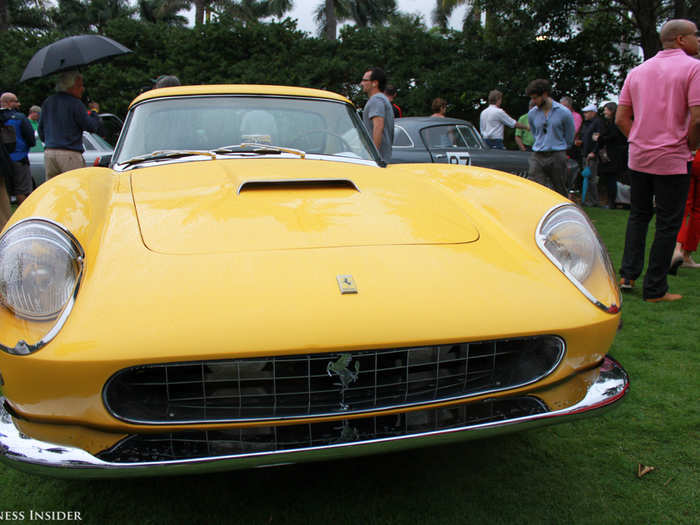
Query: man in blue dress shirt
x=552 y=125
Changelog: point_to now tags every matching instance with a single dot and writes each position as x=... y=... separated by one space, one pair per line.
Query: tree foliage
x=165 y=11
x=85 y=16
x=363 y=13
x=517 y=44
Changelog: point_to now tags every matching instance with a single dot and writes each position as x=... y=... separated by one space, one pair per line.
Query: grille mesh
x=213 y=443
x=325 y=384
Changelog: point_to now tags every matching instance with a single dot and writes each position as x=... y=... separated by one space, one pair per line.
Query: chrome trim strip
x=412 y=145
x=539 y=239
x=239 y=95
x=25 y=453
x=253 y=182
x=377 y=410
x=24 y=348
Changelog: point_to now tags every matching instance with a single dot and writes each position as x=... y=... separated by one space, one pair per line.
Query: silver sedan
x=96 y=148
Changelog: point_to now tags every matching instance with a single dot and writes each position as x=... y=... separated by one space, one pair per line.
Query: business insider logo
x=35 y=515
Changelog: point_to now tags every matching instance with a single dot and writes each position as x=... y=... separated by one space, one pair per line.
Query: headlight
x=569 y=240
x=40 y=267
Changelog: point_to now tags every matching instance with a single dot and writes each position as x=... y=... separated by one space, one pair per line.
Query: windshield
x=450 y=136
x=204 y=123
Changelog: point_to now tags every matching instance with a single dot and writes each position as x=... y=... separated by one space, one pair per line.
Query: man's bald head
x=673 y=29
x=7 y=100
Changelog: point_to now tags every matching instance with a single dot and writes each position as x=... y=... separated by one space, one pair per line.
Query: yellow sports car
x=250 y=284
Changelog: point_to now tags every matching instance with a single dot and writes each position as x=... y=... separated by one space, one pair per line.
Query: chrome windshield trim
x=24 y=348
x=26 y=453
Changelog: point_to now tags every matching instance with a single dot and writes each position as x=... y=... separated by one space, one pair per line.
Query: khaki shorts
x=60 y=160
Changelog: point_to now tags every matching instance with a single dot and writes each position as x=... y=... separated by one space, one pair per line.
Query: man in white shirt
x=492 y=120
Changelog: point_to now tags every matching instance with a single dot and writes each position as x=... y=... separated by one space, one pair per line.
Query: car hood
x=237 y=205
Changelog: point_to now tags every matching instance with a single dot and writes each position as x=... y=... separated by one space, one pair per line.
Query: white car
x=97 y=149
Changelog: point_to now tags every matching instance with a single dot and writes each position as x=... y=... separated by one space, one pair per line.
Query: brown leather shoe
x=666 y=297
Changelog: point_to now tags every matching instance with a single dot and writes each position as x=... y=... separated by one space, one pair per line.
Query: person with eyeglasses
x=553 y=127
x=378 y=113
x=659 y=112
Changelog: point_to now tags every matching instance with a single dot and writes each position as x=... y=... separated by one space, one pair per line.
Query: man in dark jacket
x=589 y=131
x=63 y=119
x=21 y=177
x=591 y=125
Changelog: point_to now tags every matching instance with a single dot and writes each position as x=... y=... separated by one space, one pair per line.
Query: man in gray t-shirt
x=378 y=114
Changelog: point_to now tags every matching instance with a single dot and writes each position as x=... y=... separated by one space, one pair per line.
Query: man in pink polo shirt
x=659 y=111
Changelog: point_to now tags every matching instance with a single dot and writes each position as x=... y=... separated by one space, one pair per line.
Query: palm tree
x=254 y=10
x=25 y=14
x=328 y=14
x=200 y=8
x=371 y=12
x=444 y=8
x=163 y=11
x=363 y=12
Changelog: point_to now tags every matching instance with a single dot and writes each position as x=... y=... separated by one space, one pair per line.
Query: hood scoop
x=244 y=205
x=296 y=184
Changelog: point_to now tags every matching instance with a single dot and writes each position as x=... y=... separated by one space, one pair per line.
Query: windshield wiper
x=258 y=149
x=250 y=148
x=166 y=154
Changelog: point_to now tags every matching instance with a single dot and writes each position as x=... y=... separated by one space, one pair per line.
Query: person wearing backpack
x=5 y=175
x=24 y=139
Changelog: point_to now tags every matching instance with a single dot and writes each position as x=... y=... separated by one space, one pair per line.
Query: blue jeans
x=671 y=192
x=495 y=143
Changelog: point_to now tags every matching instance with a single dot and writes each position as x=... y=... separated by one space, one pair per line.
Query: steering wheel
x=303 y=142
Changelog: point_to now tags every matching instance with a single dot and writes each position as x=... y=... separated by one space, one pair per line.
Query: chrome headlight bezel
x=575 y=269
x=61 y=240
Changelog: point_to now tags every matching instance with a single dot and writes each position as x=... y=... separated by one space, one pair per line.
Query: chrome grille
x=213 y=443
x=315 y=385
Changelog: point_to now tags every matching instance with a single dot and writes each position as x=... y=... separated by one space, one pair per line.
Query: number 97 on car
x=459 y=158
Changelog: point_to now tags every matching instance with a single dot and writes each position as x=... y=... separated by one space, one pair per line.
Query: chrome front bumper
x=25 y=453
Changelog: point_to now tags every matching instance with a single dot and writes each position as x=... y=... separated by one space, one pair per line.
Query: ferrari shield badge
x=346 y=284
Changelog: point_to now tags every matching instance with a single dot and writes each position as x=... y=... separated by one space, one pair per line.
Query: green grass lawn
x=583 y=472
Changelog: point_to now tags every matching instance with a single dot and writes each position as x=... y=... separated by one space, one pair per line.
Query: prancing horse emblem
x=346 y=283
x=347 y=377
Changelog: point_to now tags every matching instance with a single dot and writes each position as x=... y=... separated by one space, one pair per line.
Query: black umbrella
x=71 y=53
